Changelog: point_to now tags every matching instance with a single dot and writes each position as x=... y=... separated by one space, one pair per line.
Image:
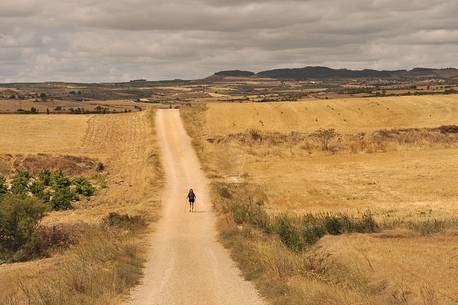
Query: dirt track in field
x=187 y=265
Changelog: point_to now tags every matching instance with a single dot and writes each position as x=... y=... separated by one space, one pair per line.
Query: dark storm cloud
x=107 y=40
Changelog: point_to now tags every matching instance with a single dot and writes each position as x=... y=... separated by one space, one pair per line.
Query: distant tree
x=325 y=136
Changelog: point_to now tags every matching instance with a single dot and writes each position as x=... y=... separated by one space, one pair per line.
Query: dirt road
x=187 y=265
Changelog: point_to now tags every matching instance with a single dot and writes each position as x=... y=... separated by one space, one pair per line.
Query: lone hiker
x=191 y=198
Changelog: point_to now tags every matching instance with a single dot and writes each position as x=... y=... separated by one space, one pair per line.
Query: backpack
x=191 y=195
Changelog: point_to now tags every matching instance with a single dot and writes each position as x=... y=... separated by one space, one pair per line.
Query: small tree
x=37 y=188
x=325 y=136
x=59 y=180
x=20 y=182
x=83 y=187
x=19 y=217
x=62 y=198
x=45 y=177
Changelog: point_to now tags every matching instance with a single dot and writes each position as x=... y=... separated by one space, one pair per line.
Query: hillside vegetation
x=368 y=218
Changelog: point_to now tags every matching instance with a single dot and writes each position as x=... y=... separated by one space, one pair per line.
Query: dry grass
x=101 y=267
x=126 y=144
x=346 y=115
x=407 y=186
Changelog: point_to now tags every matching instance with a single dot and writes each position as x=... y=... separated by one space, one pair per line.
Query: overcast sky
x=118 y=40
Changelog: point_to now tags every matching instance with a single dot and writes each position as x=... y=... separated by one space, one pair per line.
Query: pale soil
x=187 y=265
x=125 y=143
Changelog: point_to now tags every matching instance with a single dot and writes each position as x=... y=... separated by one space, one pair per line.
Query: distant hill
x=329 y=73
x=235 y=73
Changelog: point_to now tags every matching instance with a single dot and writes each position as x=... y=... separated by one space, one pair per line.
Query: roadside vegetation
x=25 y=200
x=78 y=233
x=106 y=261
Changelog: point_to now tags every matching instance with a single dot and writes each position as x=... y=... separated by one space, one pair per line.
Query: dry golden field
x=404 y=184
x=12 y=106
x=346 y=115
x=131 y=182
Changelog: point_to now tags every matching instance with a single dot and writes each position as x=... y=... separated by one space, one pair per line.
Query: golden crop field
x=346 y=115
x=124 y=143
x=408 y=180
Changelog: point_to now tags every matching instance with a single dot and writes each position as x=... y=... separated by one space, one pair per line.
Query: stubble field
x=387 y=159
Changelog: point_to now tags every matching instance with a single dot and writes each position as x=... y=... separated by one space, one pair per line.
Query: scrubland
x=369 y=218
x=104 y=246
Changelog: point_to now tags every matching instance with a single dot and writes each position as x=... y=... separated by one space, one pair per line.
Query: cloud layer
x=116 y=40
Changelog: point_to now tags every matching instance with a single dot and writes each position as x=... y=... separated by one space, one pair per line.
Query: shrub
x=37 y=188
x=19 y=217
x=428 y=227
x=59 y=180
x=224 y=193
x=45 y=177
x=124 y=221
x=3 y=186
x=62 y=198
x=100 y=167
x=20 y=182
x=83 y=187
x=255 y=135
x=289 y=234
x=325 y=136
x=313 y=234
x=333 y=225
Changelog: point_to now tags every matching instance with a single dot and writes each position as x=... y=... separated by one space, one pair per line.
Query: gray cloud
x=113 y=40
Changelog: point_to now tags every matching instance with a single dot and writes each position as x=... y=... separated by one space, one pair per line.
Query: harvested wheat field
x=391 y=158
x=128 y=183
x=346 y=115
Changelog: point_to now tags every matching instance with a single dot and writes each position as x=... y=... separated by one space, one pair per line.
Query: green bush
x=3 y=186
x=313 y=234
x=37 y=188
x=289 y=234
x=333 y=225
x=19 y=217
x=59 y=180
x=62 y=198
x=45 y=177
x=20 y=182
x=83 y=187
